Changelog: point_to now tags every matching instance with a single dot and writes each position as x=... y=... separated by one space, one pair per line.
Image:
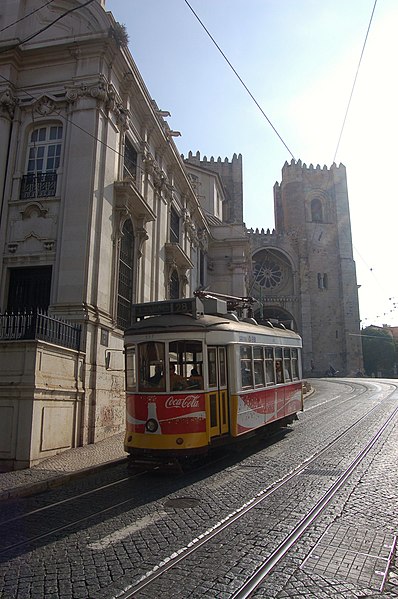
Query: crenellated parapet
x=262 y=232
x=230 y=172
x=297 y=170
x=207 y=163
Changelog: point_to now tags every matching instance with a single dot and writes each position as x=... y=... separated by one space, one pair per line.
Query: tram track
x=290 y=541
x=202 y=539
x=114 y=484
x=279 y=553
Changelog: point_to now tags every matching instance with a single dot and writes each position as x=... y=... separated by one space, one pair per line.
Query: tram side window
x=131 y=374
x=287 y=368
x=151 y=366
x=295 y=364
x=278 y=365
x=269 y=365
x=259 y=379
x=246 y=366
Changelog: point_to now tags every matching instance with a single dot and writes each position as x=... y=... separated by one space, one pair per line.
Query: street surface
x=99 y=536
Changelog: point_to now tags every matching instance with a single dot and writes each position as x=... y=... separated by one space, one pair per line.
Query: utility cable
x=239 y=77
x=59 y=114
x=26 y=16
x=355 y=80
x=30 y=37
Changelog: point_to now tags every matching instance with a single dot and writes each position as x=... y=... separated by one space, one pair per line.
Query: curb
x=56 y=481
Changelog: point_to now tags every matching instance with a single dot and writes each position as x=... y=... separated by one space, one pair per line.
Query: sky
x=299 y=59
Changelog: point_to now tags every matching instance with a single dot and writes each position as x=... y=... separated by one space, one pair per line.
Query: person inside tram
x=195 y=381
x=156 y=379
x=177 y=382
x=278 y=368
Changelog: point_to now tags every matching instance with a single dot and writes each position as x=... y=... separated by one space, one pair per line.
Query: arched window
x=316 y=211
x=42 y=161
x=174 y=286
x=44 y=151
x=125 y=284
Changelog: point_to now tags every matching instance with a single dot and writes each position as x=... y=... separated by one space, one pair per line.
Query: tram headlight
x=151 y=425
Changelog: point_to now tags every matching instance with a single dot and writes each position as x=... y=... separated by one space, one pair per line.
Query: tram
x=200 y=373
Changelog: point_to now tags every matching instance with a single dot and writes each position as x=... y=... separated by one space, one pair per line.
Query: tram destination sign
x=191 y=305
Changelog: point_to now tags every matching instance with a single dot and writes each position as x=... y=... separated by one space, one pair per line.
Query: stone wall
x=42 y=401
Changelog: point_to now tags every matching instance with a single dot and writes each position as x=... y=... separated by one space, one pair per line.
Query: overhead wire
x=371 y=269
x=259 y=106
x=240 y=78
x=355 y=80
x=33 y=35
x=26 y=16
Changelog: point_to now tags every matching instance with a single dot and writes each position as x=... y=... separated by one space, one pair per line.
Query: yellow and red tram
x=197 y=376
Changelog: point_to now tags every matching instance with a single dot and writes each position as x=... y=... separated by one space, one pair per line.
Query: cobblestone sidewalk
x=61 y=468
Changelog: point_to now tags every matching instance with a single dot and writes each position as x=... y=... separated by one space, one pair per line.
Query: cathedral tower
x=312 y=245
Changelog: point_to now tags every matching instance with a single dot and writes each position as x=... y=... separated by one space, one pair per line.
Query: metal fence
x=39 y=326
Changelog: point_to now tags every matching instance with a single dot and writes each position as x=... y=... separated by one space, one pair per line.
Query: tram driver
x=177 y=382
x=195 y=381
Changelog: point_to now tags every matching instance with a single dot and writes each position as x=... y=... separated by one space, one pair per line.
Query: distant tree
x=379 y=351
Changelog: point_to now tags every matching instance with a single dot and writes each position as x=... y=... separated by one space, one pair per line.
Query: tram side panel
x=255 y=409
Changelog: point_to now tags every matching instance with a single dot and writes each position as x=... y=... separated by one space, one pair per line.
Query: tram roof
x=208 y=322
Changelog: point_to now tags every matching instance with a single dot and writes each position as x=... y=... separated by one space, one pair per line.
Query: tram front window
x=187 y=358
x=131 y=375
x=151 y=366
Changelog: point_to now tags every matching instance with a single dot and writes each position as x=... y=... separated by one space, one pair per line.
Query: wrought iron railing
x=38 y=185
x=39 y=326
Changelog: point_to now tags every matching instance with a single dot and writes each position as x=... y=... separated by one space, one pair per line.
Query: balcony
x=176 y=255
x=38 y=326
x=129 y=198
x=38 y=185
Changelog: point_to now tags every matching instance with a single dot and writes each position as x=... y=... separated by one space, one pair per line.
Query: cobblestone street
x=104 y=540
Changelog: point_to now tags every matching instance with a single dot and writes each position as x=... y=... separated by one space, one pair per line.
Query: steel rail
x=180 y=555
x=67 y=500
x=279 y=553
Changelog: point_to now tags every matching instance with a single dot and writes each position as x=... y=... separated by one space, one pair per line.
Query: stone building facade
x=98 y=210
x=304 y=272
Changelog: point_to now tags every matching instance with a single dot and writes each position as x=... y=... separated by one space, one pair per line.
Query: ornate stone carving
x=190 y=228
x=45 y=106
x=160 y=179
x=7 y=103
x=149 y=163
x=33 y=208
x=141 y=235
x=203 y=240
x=105 y=94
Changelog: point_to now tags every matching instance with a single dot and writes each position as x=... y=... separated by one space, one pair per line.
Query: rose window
x=268 y=274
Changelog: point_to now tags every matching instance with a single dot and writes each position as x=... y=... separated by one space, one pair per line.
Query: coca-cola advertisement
x=175 y=414
x=258 y=408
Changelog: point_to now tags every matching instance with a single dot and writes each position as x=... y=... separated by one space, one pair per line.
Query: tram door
x=218 y=391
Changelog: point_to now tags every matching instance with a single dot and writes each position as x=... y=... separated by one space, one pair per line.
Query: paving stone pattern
x=63 y=566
